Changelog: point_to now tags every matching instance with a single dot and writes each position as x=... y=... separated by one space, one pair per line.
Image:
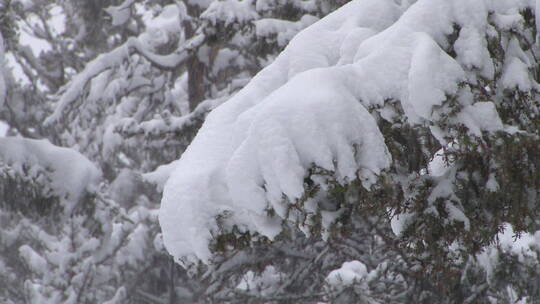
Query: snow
x=75 y=87
x=33 y=259
x=166 y=24
x=265 y=282
x=170 y=18
x=305 y=5
x=36 y=45
x=71 y=173
x=72 y=91
x=520 y=245
x=481 y=116
x=229 y=12
x=310 y=108
x=348 y=274
x=133 y=252
x=125 y=187
x=438 y=166
x=160 y=176
x=399 y=223
x=259 y=138
x=120 y=14
x=428 y=86
x=166 y=123
x=526 y=244
x=284 y=30
x=472 y=52
x=515 y=70
x=4 y=127
x=508 y=21
x=57 y=20
x=516 y=75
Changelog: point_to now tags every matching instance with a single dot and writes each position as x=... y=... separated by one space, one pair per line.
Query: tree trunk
x=196 y=69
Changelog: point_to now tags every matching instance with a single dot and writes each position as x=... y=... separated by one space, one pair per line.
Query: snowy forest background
x=388 y=151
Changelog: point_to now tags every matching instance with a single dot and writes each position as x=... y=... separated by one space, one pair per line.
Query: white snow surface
x=310 y=108
x=71 y=173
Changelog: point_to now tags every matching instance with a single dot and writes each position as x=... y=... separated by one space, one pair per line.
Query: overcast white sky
x=57 y=24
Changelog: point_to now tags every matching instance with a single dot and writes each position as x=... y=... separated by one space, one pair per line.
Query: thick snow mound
x=316 y=105
x=71 y=173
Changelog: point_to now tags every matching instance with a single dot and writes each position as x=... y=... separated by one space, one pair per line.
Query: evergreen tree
x=122 y=114
x=422 y=113
x=389 y=154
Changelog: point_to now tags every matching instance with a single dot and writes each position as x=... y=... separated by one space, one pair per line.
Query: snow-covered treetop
x=316 y=108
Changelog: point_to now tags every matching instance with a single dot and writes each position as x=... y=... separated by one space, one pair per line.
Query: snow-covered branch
x=71 y=174
x=103 y=62
x=315 y=117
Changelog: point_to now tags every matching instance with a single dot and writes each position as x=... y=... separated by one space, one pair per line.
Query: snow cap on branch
x=230 y=12
x=257 y=147
x=71 y=173
x=120 y=14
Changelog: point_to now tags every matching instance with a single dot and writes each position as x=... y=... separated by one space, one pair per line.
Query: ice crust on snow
x=310 y=107
x=71 y=173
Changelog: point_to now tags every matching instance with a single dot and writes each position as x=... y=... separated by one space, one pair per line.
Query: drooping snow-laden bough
x=429 y=111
